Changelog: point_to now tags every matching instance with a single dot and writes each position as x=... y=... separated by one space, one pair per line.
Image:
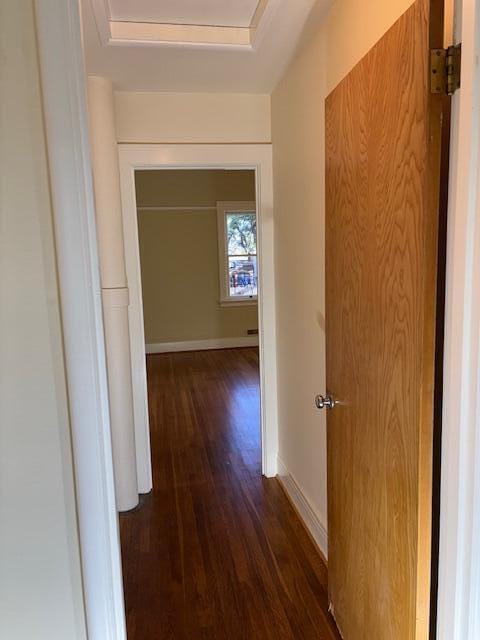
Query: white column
x=114 y=288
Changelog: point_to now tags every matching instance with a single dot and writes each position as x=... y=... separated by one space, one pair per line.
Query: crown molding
x=123 y=33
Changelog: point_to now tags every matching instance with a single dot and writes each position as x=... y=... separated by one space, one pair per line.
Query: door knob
x=324 y=402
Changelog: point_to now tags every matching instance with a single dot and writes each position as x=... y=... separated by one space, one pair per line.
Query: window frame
x=223 y=209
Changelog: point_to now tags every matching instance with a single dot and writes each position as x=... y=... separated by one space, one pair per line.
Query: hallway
x=216 y=551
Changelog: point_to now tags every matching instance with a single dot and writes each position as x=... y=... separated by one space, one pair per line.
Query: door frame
x=459 y=557
x=62 y=76
x=256 y=157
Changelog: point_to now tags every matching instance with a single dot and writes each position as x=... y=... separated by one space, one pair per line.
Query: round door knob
x=324 y=402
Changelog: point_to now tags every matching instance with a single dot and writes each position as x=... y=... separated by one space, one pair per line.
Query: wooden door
x=383 y=138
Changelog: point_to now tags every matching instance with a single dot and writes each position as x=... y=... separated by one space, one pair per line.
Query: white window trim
x=226 y=300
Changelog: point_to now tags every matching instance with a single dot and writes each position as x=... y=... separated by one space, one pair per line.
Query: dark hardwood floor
x=216 y=551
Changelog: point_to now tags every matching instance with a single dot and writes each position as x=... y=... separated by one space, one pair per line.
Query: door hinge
x=445 y=65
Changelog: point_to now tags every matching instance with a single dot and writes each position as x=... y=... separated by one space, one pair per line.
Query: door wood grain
x=383 y=141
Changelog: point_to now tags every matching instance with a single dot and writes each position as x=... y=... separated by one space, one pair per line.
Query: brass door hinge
x=445 y=65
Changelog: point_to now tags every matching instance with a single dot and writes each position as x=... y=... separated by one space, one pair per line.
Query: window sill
x=247 y=302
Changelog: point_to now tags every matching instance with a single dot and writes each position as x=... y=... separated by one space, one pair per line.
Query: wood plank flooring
x=216 y=551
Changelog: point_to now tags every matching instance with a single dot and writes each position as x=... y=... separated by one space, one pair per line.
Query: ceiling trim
x=119 y=33
x=154 y=33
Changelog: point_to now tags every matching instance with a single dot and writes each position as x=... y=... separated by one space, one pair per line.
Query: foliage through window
x=239 y=265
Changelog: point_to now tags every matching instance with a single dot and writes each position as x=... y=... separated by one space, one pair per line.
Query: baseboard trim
x=309 y=518
x=202 y=345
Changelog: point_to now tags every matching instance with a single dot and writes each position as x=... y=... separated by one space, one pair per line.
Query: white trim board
x=256 y=157
x=311 y=520
x=459 y=567
x=64 y=97
x=202 y=345
x=183 y=208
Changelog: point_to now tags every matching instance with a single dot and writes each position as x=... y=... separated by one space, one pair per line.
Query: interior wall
x=192 y=117
x=179 y=255
x=40 y=579
x=329 y=52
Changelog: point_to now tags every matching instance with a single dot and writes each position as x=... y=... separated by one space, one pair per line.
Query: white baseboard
x=202 y=345
x=310 y=518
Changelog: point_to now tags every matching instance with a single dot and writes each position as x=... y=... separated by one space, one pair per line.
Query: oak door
x=383 y=133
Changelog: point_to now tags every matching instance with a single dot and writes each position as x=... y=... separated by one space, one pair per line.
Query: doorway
x=198 y=257
x=256 y=159
x=197 y=248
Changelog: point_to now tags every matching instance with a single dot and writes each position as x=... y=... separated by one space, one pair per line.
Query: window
x=237 y=245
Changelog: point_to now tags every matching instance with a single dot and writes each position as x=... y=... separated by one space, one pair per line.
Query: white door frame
x=64 y=102
x=459 y=567
x=256 y=157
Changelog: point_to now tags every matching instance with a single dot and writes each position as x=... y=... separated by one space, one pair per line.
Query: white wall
x=347 y=32
x=192 y=117
x=40 y=580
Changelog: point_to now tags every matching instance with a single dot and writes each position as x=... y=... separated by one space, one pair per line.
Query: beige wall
x=192 y=117
x=179 y=255
x=347 y=32
x=40 y=580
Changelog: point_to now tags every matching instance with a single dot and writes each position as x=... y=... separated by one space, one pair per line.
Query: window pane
x=242 y=276
x=241 y=233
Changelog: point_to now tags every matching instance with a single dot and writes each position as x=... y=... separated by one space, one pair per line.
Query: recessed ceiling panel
x=199 y=69
x=223 y=13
